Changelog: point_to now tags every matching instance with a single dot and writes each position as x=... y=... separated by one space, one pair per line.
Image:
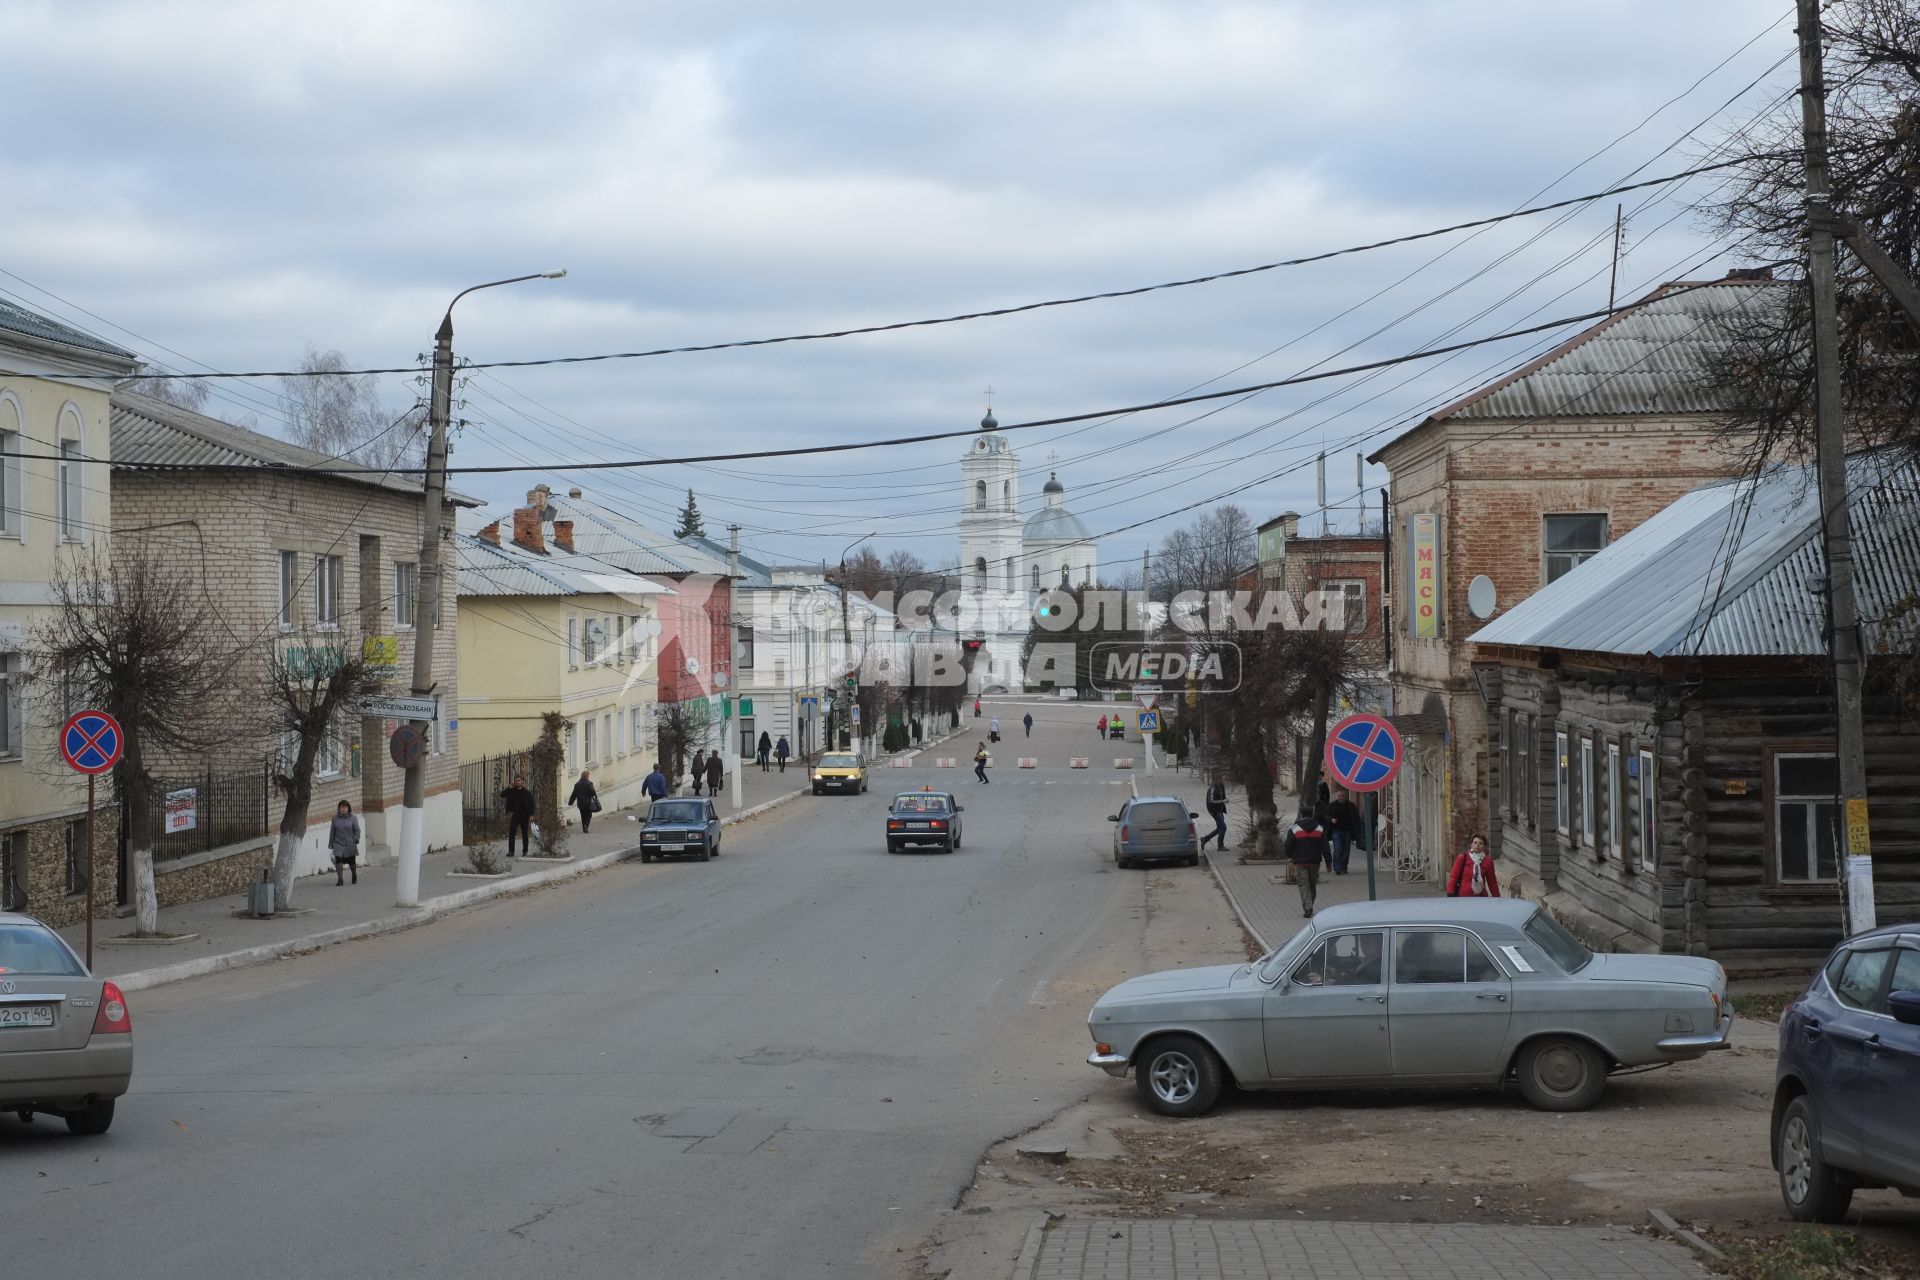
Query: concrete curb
x=1663 y=1222
x=1030 y=1250
x=1234 y=902
x=401 y=918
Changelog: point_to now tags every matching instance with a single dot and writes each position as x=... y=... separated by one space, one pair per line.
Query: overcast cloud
x=231 y=181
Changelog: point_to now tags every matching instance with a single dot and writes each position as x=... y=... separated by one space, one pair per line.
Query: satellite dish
x=693 y=666
x=1481 y=597
x=650 y=626
x=720 y=680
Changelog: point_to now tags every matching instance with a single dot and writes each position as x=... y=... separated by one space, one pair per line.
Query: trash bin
x=260 y=897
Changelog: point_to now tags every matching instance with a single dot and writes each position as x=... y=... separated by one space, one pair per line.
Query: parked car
x=1845 y=1115
x=923 y=818
x=840 y=771
x=687 y=827
x=1412 y=992
x=66 y=1037
x=1155 y=829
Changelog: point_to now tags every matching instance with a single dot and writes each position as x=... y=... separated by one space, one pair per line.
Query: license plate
x=918 y=826
x=26 y=1015
x=673 y=848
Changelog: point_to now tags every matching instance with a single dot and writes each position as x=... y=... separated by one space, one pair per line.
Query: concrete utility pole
x=733 y=652
x=426 y=590
x=1830 y=433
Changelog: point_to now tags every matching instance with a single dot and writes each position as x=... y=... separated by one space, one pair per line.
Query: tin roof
x=508 y=570
x=17 y=319
x=1736 y=569
x=617 y=539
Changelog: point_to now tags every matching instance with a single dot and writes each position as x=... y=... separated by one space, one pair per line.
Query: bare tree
x=335 y=412
x=309 y=689
x=867 y=575
x=1207 y=555
x=906 y=572
x=129 y=637
x=185 y=393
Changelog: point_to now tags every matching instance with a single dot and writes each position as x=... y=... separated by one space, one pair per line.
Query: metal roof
x=31 y=324
x=616 y=538
x=150 y=432
x=1736 y=569
x=1055 y=524
x=509 y=570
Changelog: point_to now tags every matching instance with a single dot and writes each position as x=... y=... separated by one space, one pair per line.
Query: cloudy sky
x=216 y=185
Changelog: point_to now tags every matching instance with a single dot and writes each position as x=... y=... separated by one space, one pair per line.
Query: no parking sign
x=1364 y=752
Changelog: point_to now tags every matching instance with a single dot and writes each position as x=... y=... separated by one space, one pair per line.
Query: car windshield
x=678 y=811
x=1561 y=947
x=1277 y=960
x=28 y=948
x=920 y=804
x=839 y=762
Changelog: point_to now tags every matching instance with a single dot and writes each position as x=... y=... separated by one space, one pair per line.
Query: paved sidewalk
x=1270 y=907
x=1279 y=1249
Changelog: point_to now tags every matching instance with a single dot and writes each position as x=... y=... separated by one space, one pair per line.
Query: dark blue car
x=1846 y=1101
x=686 y=827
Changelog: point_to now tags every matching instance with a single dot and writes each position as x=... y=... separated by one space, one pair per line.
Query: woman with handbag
x=586 y=798
x=1472 y=875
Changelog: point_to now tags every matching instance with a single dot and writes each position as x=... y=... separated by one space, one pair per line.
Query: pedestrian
x=716 y=771
x=1343 y=821
x=1217 y=810
x=1027 y=720
x=699 y=770
x=766 y=749
x=518 y=802
x=980 y=763
x=1472 y=875
x=1321 y=799
x=976 y=708
x=585 y=797
x=655 y=785
x=1101 y=728
x=1306 y=849
x=781 y=751
x=343 y=840
x=993 y=729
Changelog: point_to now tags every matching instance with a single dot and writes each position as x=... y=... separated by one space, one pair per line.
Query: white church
x=1006 y=563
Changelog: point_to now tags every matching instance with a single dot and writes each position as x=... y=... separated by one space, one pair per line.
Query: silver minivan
x=1155 y=829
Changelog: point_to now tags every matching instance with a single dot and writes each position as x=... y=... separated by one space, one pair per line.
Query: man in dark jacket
x=716 y=771
x=1217 y=810
x=518 y=802
x=699 y=770
x=1306 y=848
x=655 y=786
x=781 y=751
x=586 y=798
x=1343 y=823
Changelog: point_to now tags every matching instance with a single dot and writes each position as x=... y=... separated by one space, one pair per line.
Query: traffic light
x=972 y=646
x=853 y=682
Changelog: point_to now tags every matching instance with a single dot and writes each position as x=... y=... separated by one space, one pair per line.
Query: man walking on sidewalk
x=655 y=786
x=518 y=802
x=1217 y=810
x=1306 y=848
x=1343 y=820
x=716 y=774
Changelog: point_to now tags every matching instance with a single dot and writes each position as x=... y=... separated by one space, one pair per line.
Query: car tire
x=645 y=856
x=93 y=1121
x=950 y=847
x=1179 y=1076
x=892 y=847
x=816 y=790
x=704 y=853
x=1561 y=1073
x=1193 y=859
x=1822 y=1196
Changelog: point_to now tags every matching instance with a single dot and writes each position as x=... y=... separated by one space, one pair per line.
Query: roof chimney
x=1290 y=523
x=574 y=493
x=563 y=535
x=492 y=533
x=527 y=534
x=1750 y=273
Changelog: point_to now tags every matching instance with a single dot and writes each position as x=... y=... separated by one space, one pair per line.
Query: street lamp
x=846 y=624
x=426 y=592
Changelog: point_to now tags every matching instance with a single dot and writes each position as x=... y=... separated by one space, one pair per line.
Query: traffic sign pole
x=90 y=870
x=1363 y=754
x=91 y=742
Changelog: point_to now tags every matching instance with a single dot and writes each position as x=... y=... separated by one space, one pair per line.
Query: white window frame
x=743 y=642
x=591 y=638
x=1649 y=814
x=328 y=574
x=330 y=759
x=1588 y=815
x=1523 y=764
x=613 y=739
x=636 y=735
x=289 y=588
x=1507 y=717
x=587 y=757
x=573 y=747
x=1810 y=806
x=1346 y=589
x=573 y=646
x=1616 y=809
x=620 y=638
x=1563 y=783
x=405 y=584
x=1577 y=558
x=13 y=521
x=10 y=669
x=72 y=505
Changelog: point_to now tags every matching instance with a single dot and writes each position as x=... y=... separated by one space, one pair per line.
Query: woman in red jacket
x=1472 y=875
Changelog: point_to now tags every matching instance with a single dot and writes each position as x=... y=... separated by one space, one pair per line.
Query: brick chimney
x=1290 y=523
x=492 y=533
x=527 y=533
x=563 y=535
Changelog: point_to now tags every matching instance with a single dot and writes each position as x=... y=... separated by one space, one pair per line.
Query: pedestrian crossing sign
x=1149 y=722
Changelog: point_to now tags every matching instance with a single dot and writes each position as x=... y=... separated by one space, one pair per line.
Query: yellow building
x=55 y=499
x=543 y=630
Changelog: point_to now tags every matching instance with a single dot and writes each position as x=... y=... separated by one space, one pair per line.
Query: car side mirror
x=1192 y=814
x=1905 y=1007
x=959 y=808
x=1113 y=817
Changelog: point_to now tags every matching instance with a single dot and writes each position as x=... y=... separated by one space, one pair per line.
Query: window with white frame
x=1350 y=596
x=289 y=588
x=586 y=745
x=1588 y=816
x=1562 y=785
x=1570 y=541
x=636 y=735
x=330 y=759
x=590 y=645
x=573 y=748
x=1649 y=814
x=1036 y=577
x=744 y=642
x=573 y=644
x=620 y=653
x=1616 y=813
x=12 y=520
x=1805 y=816
x=72 y=514
x=404 y=584
x=326 y=591
x=606 y=726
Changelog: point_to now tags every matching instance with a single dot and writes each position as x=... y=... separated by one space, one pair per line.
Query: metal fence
x=482 y=781
x=190 y=814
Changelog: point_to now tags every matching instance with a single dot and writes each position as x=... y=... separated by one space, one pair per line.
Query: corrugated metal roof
x=508 y=570
x=1735 y=569
x=31 y=324
x=150 y=432
x=619 y=540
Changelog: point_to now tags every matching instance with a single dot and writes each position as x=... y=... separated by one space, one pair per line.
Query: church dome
x=989 y=422
x=1053 y=484
x=1055 y=524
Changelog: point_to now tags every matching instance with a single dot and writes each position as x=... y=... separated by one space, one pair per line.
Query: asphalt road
x=784 y=1062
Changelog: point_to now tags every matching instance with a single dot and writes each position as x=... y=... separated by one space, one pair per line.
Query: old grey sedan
x=1427 y=992
x=66 y=1038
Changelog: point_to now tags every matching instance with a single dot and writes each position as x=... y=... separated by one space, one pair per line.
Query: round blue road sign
x=91 y=741
x=1364 y=752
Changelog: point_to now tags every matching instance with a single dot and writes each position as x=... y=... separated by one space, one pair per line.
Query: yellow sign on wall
x=382 y=653
x=1425 y=539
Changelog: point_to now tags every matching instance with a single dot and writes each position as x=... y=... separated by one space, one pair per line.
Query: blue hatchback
x=1844 y=1111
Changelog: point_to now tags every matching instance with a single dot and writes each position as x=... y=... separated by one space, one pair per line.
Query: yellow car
x=840 y=771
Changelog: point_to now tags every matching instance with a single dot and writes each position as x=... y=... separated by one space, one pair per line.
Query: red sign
x=1364 y=752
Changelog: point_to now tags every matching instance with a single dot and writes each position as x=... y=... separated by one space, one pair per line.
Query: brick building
x=1518 y=483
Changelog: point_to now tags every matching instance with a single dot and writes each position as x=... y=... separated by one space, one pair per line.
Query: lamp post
x=846 y=627
x=426 y=590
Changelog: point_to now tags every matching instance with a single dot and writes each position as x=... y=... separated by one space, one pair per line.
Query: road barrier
x=1029 y=762
x=1077 y=762
x=1123 y=762
x=900 y=762
x=943 y=762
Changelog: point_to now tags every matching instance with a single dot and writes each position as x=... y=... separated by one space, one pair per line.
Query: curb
x=1030 y=1250
x=403 y=918
x=1234 y=902
x=1663 y=1222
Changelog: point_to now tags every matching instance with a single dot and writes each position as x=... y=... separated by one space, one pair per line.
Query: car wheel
x=94 y=1120
x=704 y=853
x=1812 y=1191
x=892 y=847
x=1193 y=859
x=816 y=790
x=951 y=846
x=1559 y=1073
x=1179 y=1076
x=645 y=856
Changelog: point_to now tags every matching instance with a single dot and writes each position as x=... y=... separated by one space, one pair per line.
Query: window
x=1525 y=782
x=1562 y=789
x=77 y=868
x=573 y=643
x=1615 y=814
x=289 y=586
x=1441 y=955
x=1571 y=541
x=1350 y=598
x=620 y=653
x=71 y=517
x=403 y=589
x=637 y=738
x=1649 y=814
x=979 y=495
x=573 y=749
x=1343 y=960
x=979 y=573
x=330 y=759
x=1587 y=795
x=1906 y=972
x=1859 y=983
x=586 y=747
x=12 y=524
x=1507 y=721
x=744 y=640
x=590 y=642
x=13 y=871
x=1561 y=947
x=9 y=704
x=326 y=591
x=606 y=734
x=1036 y=576
x=1804 y=816
x=1006 y=493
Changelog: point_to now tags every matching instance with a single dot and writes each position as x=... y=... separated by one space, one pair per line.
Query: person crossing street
x=980 y=763
x=1217 y=810
x=1027 y=720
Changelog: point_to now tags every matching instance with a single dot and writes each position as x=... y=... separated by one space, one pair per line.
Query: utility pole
x=1613 y=279
x=733 y=653
x=1830 y=434
x=426 y=591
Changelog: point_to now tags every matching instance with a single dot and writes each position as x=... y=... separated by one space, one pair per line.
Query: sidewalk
x=1282 y=1249
x=226 y=938
x=1270 y=907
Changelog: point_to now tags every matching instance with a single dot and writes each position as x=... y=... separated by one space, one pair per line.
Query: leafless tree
x=311 y=688
x=129 y=637
x=335 y=412
x=1206 y=555
x=867 y=574
x=185 y=393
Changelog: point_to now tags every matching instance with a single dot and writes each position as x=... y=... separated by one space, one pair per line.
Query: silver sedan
x=66 y=1037
x=1426 y=992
